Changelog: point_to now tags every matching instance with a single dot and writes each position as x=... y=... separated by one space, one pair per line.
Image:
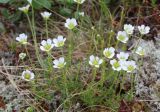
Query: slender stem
x=62 y=51
x=94 y=72
x=32 y=27
x=117 y=44
x=124 y=47
x=79 y=68
x=103 y=74
x=114 y=79
x=23 y=63
x=132 y=84
x=65 y=81
x=33 y=23
x=122 y=83
x=49 y=59
x=71 y=47
x=30 y=24
x=28 y=55
x=78 y=8
x=46 y=24
x=109 y=43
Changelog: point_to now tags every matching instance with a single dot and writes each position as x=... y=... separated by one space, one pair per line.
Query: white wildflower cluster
x=118 y=61
x=49 y=44
x=121 y=61
x=123 y=36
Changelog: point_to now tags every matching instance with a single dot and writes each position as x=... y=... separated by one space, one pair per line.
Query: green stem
x=79 y=69
x=28 y=55
x=65 y=82
x=62 y=52
x=114 y=80
x=116 y=47
x=50 y=68
x=109 y=43
x=132 y=84
x=30 y=24
x=71 y=47
x=94 y=72
x=78 y=8
x=103 y=75
x=124 y=47
x=121 y=83
x=46 y=24
x=34 y=37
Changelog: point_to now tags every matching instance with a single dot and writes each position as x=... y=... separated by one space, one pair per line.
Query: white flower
x=122 y=36
x=79 y=1
x=30 y=1
x=24 y=9
x=92 y=27
x=22 y=38
x=143 y=29
x=128 y=66
x=115 y=65
x=70 y=23
x=98 y=35
x=95 y=61
x=46 y=45
x=27 y=75
x=46 y=15
x=140 y=51
x=109 y=52
x=122 y=56
x=59 y=63
x=22 y=56
x=59 y=41
x=81 y=13
x=129 y=28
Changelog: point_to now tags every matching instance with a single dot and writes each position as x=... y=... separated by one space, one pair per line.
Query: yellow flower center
x=108 y=54
x=27 y=76
x=141 y=52
x=116 y=65
x=61 y=65
x=71 y=25
x=23 y=41
x=130 y=68
x=60 y=44
x=121 y=37
x=47 y=47
x=95 y=62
